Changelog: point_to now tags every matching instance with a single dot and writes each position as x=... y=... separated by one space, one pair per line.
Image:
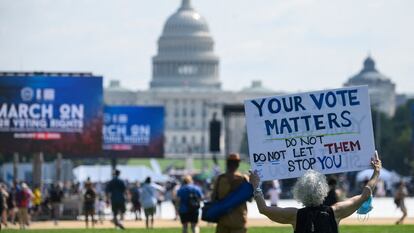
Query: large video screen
x=51 y=114
x=133 y=131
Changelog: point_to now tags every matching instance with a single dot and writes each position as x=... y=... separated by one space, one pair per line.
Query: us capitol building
x=381 y=89
x=186 y=81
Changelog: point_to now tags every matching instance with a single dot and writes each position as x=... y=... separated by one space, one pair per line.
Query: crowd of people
x=20 y=205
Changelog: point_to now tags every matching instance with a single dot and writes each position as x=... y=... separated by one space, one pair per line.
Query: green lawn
x=344 y=229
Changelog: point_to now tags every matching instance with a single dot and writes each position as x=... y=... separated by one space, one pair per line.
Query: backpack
x=193 y=201
x=55 y=195
x=319 y=219
x=19 y=196
x=135 y=195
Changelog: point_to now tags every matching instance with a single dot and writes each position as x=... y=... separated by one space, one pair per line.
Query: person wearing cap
x=235 y=220
x=24 y=196
x=188 y=202
x=115 y=191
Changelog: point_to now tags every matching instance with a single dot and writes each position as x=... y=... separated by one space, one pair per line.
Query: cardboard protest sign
x=329 y=131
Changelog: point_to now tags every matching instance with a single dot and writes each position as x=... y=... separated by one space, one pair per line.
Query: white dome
x=185 y=53
x=369 y=73
x=185 y=21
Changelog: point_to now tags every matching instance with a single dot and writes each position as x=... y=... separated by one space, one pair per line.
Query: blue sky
x=290 y=45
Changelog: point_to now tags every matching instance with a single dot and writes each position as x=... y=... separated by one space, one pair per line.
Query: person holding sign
x=329 y=131
x=311 y=190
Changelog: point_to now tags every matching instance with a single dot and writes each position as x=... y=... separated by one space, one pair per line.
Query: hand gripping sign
x=329 y=131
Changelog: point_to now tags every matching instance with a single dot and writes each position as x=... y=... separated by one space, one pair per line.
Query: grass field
x=343 y=229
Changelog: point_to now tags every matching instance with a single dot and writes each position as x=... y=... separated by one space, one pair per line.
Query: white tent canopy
x=98 y=173
x=389 y=177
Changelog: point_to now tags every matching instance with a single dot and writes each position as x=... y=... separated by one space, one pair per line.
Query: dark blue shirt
x=183 y=194
x=116 y=188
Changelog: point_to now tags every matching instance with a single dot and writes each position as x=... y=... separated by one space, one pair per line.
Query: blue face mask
x=366 y=207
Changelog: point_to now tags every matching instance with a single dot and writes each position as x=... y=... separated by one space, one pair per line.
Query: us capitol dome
x=185 y=55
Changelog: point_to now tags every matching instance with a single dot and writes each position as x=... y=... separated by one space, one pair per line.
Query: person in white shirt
x=274 y=192
x=100 y=209
x=148 y=198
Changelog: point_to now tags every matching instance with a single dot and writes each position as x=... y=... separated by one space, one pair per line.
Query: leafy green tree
x=396 y=146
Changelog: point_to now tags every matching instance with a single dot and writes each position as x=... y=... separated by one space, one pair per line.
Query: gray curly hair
x=311 y=189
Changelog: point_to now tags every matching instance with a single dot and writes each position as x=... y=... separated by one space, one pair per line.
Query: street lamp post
x=205 y=131
x=377 y=127
x=203 y=136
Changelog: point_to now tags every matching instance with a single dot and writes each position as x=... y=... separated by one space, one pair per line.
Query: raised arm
x=274 y=213
x=345 y=208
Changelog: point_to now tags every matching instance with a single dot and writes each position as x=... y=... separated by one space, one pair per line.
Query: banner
x=133 y=131
x=51 y=114
x=329 y=131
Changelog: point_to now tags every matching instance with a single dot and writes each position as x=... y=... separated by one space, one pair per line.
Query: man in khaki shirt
x=235 y=220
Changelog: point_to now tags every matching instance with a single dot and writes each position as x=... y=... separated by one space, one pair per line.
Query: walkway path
x=384 y=212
